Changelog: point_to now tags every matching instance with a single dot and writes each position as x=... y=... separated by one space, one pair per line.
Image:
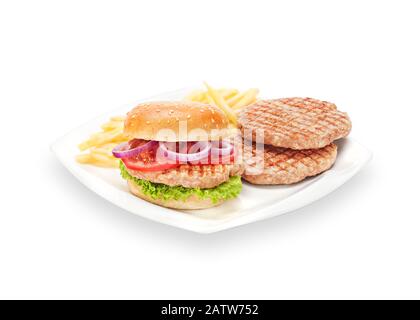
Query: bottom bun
x=191 y=203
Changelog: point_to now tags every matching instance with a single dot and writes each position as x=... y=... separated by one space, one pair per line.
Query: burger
x=180 y=155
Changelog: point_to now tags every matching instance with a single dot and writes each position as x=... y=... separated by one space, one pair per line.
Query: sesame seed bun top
x=176 y=121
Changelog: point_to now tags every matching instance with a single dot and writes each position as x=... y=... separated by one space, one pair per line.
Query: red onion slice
x=203 y=150
x=225 y=150
x=123 y=150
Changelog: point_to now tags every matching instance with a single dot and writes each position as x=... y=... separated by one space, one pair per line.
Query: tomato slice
x=146 y=161
x=136 y=165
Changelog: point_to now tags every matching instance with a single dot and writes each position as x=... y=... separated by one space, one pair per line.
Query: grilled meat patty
x=295 y=123
x=285 y=166
x=192 y=176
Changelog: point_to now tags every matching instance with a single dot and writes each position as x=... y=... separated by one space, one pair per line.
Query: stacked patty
x=298 y=135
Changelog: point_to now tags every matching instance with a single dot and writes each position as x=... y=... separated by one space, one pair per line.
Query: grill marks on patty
x=192 y=176
x=286 y=166
x=295 y=123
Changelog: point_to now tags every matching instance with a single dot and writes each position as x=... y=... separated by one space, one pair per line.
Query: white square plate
x=254 y=203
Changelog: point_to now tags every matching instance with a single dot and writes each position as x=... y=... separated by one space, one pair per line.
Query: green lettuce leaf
x=227 y=190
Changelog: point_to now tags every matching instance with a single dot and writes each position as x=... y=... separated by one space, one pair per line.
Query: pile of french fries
x=230 y=101
x=98 y=148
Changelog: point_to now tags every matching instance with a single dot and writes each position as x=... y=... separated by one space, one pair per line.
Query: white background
x=64 y=62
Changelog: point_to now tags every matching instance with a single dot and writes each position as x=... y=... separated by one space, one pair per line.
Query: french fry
x=204 y=98
x=86 y=145
x=227 y=93
x=111 y=125
x=100 y=157
x=107 y=137
x=118 y=118
x=110 y=146
x=196 y=95
x=235 y=99
x=209 y=99
x=101 y=144
x=248 y=97
x=101 y=151
x=97 y=160
x=200 y=95
x=104 y=163
x=83 y=158
x=221 y=103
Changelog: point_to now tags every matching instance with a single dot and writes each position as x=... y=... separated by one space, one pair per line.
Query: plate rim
x=330 y=182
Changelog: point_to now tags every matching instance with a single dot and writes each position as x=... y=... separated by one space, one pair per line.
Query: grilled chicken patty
x=295 y=123
x=192 y=176
x=286 y=166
